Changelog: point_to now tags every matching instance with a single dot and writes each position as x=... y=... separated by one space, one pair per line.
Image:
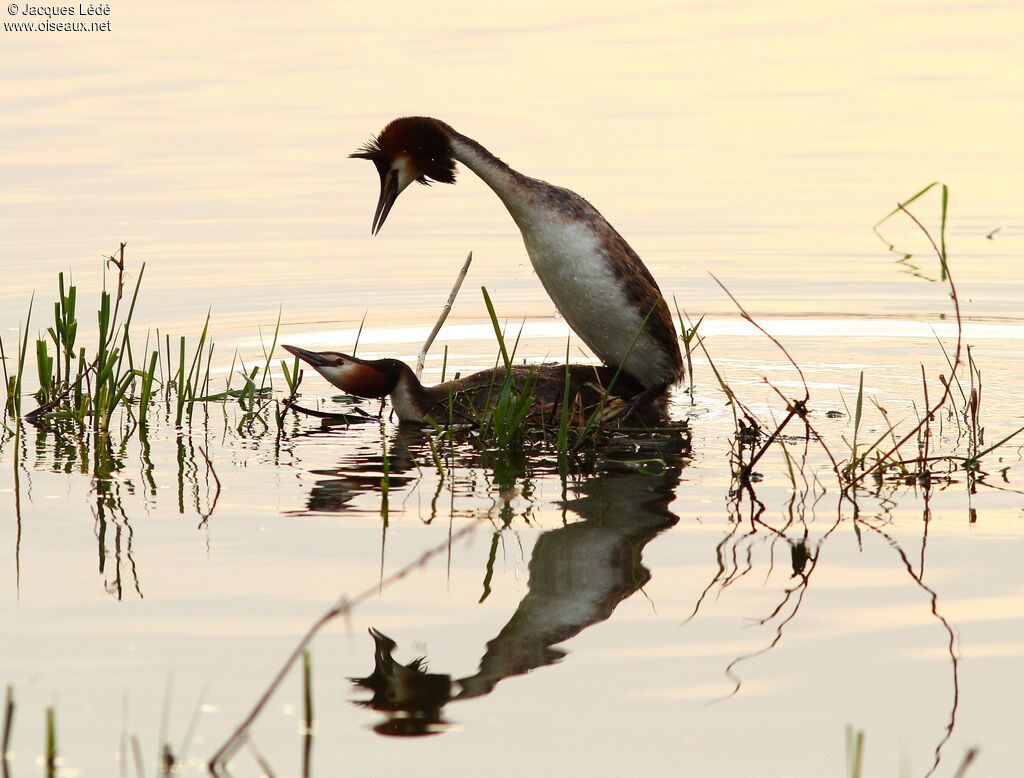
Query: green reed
x=148 y=378
x=562 y=438
x=854 y=751
x=292 y=378
x=91 y=385
x=856 y=459
x=64 y=331
x=13 y=382
x=51 y=742
x=113 y=372
x=98 y=386
x=691 y=340
x=507 y=420
x=190 y=384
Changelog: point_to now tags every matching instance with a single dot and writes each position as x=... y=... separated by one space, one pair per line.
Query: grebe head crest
x=414 y=148
x=374 y=378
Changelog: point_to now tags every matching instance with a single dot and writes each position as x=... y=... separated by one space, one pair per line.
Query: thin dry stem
x=422 y=358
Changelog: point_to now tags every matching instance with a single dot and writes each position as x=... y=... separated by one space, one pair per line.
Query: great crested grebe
x=466 y=399
x=597 y=282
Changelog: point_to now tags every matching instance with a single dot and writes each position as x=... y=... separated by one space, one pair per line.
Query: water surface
x=760 y=144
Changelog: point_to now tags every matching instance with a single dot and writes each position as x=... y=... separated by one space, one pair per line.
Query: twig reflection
x=805 y=560
x=954 y=660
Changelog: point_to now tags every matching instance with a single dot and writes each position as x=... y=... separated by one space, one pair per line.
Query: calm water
x=633 y=619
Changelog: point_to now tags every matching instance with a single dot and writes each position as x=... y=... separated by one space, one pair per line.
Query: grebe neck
x=511 y=186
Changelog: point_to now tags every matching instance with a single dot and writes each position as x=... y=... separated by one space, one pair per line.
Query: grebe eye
x=339 y=362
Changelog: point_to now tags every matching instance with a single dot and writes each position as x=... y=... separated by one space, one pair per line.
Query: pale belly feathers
x=578 y=276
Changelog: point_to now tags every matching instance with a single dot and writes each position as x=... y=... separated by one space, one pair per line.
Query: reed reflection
x=15 y=437
x=578 y=575
x=58 y=444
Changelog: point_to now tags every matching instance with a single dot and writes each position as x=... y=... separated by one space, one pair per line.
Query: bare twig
x=772 y=338
x=796 y=408
x=422 y=358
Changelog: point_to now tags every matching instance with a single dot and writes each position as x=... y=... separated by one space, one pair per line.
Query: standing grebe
x=466 y=399
x=598 y=283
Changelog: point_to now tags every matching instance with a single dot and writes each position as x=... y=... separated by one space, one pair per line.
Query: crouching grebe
x=598 y=283
x=466 y=399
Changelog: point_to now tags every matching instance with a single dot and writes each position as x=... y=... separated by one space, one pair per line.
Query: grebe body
x=598 y=283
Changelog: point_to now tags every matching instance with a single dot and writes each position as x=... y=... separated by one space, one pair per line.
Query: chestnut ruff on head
x=375 y=378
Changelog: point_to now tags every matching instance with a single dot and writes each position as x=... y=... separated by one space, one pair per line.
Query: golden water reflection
x=760 y=142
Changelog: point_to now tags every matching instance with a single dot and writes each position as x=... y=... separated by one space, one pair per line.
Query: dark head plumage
x=414 y=148
x=422 y=139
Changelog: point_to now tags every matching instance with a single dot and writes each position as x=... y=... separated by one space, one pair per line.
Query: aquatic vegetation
x=101 y=406
x=881 y=458
x=117 y=379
